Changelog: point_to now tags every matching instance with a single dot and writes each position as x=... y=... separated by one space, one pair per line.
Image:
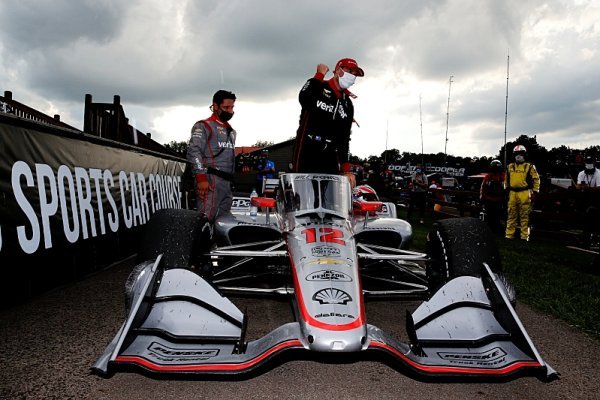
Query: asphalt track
x=48 y=345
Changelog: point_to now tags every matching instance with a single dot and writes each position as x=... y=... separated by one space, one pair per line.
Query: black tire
x=129 y=284
x=179 y=235
x=459 y=247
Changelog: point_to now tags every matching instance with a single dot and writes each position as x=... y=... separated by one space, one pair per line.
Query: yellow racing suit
x=521 y=180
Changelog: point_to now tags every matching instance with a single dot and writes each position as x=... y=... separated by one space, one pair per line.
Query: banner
x=429 y=169
x=74 y=201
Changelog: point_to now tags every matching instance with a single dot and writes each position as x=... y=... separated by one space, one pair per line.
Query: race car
x=327 y=250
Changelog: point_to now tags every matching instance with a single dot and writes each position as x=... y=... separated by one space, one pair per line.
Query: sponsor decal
x=167 y=353
x=332 y=296
x=329 y=275
x=240 y=202
x=486 y=359
x=325 y=251
x=318 y=177
x=324 y=106
x=227 y=145
x=328 y=315
x=324 y=261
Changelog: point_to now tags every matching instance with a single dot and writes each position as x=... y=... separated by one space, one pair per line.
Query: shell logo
x=332 y=296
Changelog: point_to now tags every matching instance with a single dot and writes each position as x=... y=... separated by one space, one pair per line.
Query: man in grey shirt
x=211 y=151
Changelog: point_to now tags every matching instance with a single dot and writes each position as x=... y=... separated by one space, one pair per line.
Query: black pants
x=417 y=200
x=317 y=156
x=494 y=215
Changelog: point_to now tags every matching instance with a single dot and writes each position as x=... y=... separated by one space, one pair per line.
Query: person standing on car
x=493 y=195
x=211 y=150
x=523 y=183
x=418 y=194
x=323 y=137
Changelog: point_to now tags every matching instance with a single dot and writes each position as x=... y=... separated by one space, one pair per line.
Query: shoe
x=509 y=237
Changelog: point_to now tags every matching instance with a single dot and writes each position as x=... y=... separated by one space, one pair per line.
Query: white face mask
x=346 y=80
x=589 y=166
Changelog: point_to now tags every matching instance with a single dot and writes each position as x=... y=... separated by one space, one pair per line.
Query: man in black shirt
x=323 y=137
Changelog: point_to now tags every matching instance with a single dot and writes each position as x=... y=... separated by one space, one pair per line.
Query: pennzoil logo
x=325 y=251
x=332 y=296
x=166 y=353
x=329 y=275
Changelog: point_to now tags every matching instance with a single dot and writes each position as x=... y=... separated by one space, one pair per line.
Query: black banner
x=62 y=195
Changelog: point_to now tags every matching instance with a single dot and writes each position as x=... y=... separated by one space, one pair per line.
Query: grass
x=547 y=276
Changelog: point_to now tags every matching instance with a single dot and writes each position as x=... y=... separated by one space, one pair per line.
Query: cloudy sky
x=166 y=59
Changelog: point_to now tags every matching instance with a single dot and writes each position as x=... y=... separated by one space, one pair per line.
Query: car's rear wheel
x=459 y=247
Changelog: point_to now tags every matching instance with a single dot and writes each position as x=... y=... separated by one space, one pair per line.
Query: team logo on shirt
x=324 y=106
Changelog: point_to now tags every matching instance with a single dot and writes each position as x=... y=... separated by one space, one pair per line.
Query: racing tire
x=179 y=235
x=459 y=247
x=129 y=284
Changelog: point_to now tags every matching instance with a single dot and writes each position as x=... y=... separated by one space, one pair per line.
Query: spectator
x=588 y=181
x=265 y=169
x=418 y=195
x=493 y=196
x=523 y=183
x=589 y=178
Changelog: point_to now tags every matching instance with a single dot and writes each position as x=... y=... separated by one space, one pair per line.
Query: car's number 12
x=327 y=235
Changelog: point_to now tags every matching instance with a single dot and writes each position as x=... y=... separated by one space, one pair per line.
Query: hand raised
x=322 y=69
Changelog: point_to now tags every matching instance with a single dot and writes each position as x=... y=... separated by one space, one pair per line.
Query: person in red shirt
x=493 y=196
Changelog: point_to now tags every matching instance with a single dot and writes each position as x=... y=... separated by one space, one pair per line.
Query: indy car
x=328 y=252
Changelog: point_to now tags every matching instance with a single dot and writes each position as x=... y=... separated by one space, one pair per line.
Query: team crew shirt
x=323 y=137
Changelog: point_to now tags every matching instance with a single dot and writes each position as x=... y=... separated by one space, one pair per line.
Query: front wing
x=179 y=324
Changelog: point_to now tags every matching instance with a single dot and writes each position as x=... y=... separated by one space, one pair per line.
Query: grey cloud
x=38 y=25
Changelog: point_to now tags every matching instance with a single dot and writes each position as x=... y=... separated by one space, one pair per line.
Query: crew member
x=492 y=195
x=211 y=150
x=522 y=182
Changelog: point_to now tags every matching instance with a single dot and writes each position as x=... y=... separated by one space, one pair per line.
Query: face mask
x=225 y=116
x=589 y=167
x=520 y=159
x=346 y=80
x=418 y=171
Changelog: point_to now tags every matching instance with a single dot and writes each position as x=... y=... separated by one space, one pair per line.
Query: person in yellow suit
x=522 y=182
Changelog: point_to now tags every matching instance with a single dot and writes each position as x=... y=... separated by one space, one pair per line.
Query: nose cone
x=332 y=342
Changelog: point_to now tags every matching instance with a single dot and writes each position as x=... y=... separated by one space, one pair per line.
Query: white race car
x=327 y=252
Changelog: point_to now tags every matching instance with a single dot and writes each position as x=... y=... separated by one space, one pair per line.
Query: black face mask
x=224 y=115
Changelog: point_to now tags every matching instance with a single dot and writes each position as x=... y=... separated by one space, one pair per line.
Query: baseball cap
x=350 y=63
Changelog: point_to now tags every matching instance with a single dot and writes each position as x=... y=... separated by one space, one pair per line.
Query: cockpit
x=316 y=193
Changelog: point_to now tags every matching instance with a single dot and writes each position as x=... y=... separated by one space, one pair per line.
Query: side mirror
x=367 y=206
x=263 y=202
